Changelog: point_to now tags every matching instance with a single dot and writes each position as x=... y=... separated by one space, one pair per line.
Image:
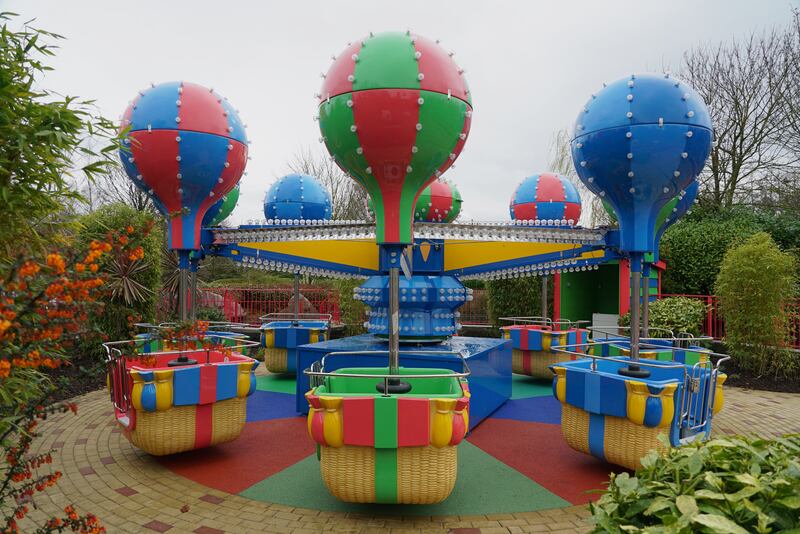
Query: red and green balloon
x=394 y=113
x=222 y=209
x=439 y=202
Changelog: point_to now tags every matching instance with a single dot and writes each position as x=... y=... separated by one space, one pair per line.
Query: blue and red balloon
x=546 y=197
x=187 y=148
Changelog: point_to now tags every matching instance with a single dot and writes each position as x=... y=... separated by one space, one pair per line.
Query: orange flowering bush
x=45 y=305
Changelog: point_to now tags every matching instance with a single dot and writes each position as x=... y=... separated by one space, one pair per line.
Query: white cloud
x=530 y=65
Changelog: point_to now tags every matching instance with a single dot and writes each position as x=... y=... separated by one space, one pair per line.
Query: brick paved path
x=131 y=492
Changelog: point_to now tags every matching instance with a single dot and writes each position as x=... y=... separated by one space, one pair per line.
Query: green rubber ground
x=485 y=485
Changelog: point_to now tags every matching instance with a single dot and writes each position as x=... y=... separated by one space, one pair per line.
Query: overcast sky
x=530 y=65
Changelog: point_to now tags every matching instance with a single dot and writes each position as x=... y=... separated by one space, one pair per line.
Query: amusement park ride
x=388 y=409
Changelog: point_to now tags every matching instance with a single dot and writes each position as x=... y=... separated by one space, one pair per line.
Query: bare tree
x=748 y=87
x=348 y=198
x=115 y=186
x=592 y=212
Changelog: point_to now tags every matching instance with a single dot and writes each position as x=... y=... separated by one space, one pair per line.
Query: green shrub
x=207 y=313
x=516 y=297
x=137 y=281
x=693 y=249
x=353 y=311
x=754 y=282
x=678 y=314
x=727 y=485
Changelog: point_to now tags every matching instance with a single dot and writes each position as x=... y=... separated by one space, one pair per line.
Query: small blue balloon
x=638 y=143
x=295 y=197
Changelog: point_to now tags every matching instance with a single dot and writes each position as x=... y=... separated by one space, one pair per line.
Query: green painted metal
x=228 y=204
x=385 y=422
x=446 y=387
x=662 y=215
x=335 y=122
x=386 y=61
x=442 y=121
x=386 y=475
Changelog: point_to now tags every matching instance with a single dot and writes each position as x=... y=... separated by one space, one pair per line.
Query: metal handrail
x=316 y=371
x=529 y=319
x=565 y=349
x=673 y=337
x=291 y=316
x=112 y=347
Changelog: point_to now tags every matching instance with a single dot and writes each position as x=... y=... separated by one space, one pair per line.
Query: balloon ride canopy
x=639 y=143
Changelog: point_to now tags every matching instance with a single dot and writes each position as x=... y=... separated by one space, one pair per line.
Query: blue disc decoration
x=638 y=143
x=297 y=197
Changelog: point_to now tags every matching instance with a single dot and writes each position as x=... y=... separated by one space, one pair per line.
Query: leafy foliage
x=753 y=284
x=41 y=133
x=45 y=304
x=131 y=278
x=516 y=297
x=693 y=249
x=352 y=311
x=728 y=485
x=678 y=314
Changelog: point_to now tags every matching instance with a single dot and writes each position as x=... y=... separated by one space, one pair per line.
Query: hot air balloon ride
x=294 y=198
x=546 y=199
x=639 y=143
x=185 y=146
x=394 y=114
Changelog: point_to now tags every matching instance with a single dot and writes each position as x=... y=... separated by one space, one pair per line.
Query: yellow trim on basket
x=561 y=383
x=243 y=379
x=332 y=428
x=269 y=338
x=442 y=425
x=719 y=396
x=163 y=381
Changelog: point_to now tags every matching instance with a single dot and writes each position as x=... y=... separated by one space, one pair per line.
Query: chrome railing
x=316 y=371
x=119 y=379
x=696 y=402
x=289 y=316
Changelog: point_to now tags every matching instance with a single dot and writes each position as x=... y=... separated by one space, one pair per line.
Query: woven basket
x=575 y=427
x=539 y=361
x=625 y=443
x=276 y=360
x=173 y=430
x=425 y=475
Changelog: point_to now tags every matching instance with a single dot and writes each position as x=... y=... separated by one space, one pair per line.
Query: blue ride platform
x=489 y=360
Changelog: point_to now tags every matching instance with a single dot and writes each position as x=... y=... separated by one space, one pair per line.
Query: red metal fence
x=246 y=305
x=714 y=325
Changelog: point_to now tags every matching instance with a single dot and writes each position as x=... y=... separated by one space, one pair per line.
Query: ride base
x=489 y=361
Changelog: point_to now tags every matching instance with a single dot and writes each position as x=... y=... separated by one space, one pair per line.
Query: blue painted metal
x=489 y=359
x=428 y=305
x=242 y=254
x=612 y=393
x=681 y=208
x=638 y=143
x=297 y=197
x=291 y=334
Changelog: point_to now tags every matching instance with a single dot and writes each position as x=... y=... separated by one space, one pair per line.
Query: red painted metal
x=246 y=305
x=714 y=324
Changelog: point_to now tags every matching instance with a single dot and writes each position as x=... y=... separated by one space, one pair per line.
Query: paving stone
x=131 y=492
x=158 y=526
